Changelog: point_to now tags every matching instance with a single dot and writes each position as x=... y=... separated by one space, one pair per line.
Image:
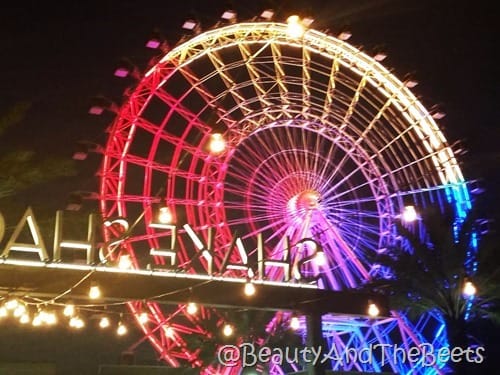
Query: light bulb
x=94 y=292
x=169 y=332
x=24 y=319
x=124 y=263
x=191 y=308
x=217 y=143
x=249 y=289
x=104 y=322
x=3 y=312
x=143 y=318
x=69 y=310
x=294 y=323
x=165 y=215
x=122 y=329
x=295 y=28
x=320 y=258
x=469 y=289
x=11 y=304
x=409 y=214
x=373 y=310
x=19 y=311
x=228 y=330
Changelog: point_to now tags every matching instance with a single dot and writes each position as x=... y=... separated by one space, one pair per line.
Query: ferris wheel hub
x=307 y=200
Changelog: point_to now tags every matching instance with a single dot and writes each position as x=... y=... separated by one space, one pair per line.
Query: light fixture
x=469 y=289
x=344 y=34
x=122 y=329
x=11 y=304
x=191 y=25
x=249 y=289
x=192 y=308
x=294 y=322
x=295 y=28
x=437 y=113
x=409 y=81
x=143 y=318
x=169 y=332
x=217 y=143
x=69 y=310
x=76 y=322
x=267 y=14
x=229 y=15
x=104 y=322
x=380 y=55
x=126 y=68
x=165 y=215
x=37 y=321
x=320 y=258
x=94 y=291
x=373 y=310
x=409 y=214
x=227 y=330
x=99 y=104
x=19 y=310
x=124 y=262
x=3 y=312
x=24 y=319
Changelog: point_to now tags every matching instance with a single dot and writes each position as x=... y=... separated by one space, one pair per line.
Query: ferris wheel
x=281 y=130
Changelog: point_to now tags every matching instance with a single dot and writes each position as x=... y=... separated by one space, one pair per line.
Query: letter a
x=37 y=246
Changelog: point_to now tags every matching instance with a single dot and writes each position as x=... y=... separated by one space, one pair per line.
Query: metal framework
x=321 y=141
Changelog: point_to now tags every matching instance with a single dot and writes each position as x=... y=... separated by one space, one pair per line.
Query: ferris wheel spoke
x=256 y=78
x=354 y=101
x=197 y=84
x=280 y=78
x=229 y=82
x=330 y=91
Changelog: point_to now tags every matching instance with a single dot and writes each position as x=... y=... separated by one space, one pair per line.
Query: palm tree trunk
x=457 y=338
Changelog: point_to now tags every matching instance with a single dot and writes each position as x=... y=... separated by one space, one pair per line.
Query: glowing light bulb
x=50 y=318
x=94 y=292
x=11 y=304
x=143 y=318
x=69 y=310
x=76 y=322
x=24 y=319
x=124 y=263
x=228 y=330
x=104 y=322
x=217 y=143
x=295 y=28
x=169 y=332
x=165 y=215
x=19 y=311
x=373 y=310
x=37 y=321
x=122 y=329
x=249 y=289
x=320 y=258
x=3 y=312
x=192 y=308
x=469 y=289
x=294 y=323
x=409 y=214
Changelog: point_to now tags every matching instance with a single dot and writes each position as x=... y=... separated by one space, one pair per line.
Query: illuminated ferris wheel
x=281 y=130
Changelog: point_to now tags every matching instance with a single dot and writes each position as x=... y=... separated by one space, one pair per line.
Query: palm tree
x=22 y=168
x=431 y=267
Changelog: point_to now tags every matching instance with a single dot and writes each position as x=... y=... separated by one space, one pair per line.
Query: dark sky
x=57 y=55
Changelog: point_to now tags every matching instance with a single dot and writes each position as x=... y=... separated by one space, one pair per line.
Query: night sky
x=57 y=55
